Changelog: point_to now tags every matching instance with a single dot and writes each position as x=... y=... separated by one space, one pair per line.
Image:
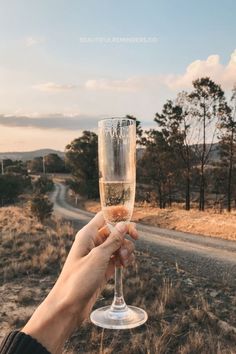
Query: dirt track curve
x=199 y=255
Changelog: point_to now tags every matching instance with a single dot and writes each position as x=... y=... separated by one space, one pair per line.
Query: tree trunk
x=169 y=192
x=202 y=191
x=187 y=193
x=230 y=173
x=202 y=181
x=160 y=197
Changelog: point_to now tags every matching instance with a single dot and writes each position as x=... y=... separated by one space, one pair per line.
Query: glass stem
x=118 y=303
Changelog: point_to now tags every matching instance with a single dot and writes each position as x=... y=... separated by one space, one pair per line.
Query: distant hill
x=29 y=155
x=214 y=155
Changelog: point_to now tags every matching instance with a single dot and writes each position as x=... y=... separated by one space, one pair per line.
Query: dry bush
x=183 y=317
x=28 y=247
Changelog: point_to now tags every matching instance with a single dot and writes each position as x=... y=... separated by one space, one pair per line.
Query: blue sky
x=47 y=73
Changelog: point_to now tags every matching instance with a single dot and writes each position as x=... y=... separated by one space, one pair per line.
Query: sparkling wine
x=117 y=173
x=117 y=200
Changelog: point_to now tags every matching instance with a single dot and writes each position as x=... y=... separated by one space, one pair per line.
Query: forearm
x=51 y=324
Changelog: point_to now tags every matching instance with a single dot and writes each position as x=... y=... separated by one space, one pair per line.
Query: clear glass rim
x=116 y=119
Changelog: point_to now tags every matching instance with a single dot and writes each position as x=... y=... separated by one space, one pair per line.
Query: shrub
x=43 y=185
x=41 y=207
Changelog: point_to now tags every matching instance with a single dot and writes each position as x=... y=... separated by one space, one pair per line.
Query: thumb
x=115 y=239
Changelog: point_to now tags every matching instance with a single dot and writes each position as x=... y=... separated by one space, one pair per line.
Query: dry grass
x=184 y=316
x=27 y=246
x=208 y=223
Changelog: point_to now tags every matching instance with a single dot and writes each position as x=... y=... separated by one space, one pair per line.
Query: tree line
x=188 y=157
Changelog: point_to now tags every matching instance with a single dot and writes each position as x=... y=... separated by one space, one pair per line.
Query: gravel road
x=198 y=255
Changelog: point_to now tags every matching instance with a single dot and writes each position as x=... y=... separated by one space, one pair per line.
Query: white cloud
x=53 y=87
x=224 y=75
x=130 y=84
x=31 y=41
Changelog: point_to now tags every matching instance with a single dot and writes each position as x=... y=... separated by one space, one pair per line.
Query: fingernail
x=124 y=253
x=121 y=226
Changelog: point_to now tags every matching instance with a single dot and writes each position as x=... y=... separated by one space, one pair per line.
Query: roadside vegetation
x=187 y=162
x=187 y=314
x=188 y=158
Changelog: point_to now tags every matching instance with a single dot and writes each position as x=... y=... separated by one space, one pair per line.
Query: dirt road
x=198 y=255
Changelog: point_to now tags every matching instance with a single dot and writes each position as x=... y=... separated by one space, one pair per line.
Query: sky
x=64 y=64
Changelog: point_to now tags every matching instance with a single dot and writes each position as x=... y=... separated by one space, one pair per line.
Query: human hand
x=90 y=263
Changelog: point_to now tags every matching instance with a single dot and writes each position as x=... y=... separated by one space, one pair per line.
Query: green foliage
x=54 y=164
x=43 y=185
x=157 y=165
x=139 y=130
x=175 y=122
x=74 y=185
x=19 y=169
x=187 y=128
x=82 y=157
x=35 y=165
x=41 y=207
x=16 y=167
x=208 y=106
x=228 y=148
x=51 y=163
x=175 y=160
x=11 y=186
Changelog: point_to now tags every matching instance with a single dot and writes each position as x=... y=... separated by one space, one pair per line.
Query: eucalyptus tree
x=208 y=108
x=157 y=166
x=176 y=124
x=82 y=158
x=228 y=145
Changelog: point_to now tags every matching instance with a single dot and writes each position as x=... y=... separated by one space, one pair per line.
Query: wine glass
x=117 y=179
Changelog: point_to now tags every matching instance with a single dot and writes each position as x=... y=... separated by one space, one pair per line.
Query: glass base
x=129 y=317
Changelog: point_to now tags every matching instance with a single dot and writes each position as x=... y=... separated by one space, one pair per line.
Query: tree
x=12 y=186
x=139 y=130
x=35 y=165
x=157 y=165
x=82 y=157
x=41 y=207
x=175 y=122
x=228 y=145
x=208 y=107
x=54 y=163
x=16 y=168
x=74 y=185
x=43 y=185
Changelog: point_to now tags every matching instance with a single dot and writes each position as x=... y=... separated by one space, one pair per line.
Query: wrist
x=51 y=324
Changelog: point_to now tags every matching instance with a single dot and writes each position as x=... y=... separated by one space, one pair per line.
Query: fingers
x=97 y=221
x=132 y=231
x=104 y=232
x=116 y=261
x=125 y=252
x=114 y=240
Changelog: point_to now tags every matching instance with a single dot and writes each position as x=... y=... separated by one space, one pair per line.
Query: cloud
x=53 y=121
x=212 y=67
x=130 y=84
x=31 y=41
x=53 y=87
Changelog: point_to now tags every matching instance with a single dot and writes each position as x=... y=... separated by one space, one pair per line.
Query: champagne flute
x=117 y=180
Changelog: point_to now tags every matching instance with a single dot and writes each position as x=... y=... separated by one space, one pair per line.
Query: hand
x=90 y=263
